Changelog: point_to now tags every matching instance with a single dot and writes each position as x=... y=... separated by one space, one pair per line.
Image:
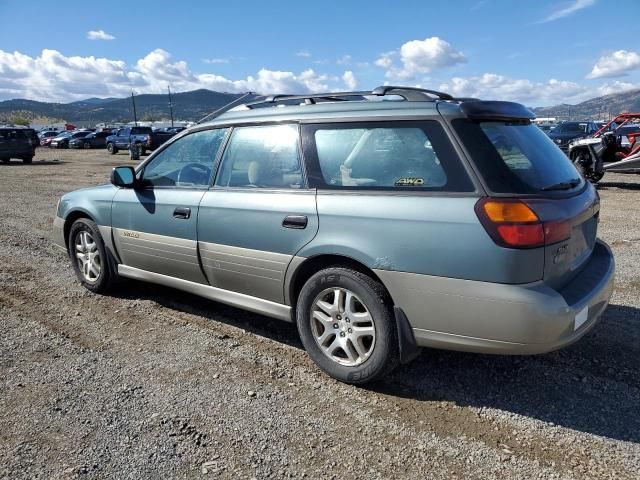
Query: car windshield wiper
x=569 y=184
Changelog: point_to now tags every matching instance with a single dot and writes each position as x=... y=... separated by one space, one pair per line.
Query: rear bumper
x=486 y=317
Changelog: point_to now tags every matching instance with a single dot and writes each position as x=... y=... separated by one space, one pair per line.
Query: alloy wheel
x=88 y=256
x=342 y=327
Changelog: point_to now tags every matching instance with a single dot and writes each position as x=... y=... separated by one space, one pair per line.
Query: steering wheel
x=194 y=173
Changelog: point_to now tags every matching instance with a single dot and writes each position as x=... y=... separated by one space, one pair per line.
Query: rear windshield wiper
x=569 y=184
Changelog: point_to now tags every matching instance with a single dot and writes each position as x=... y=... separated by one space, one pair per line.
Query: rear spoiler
x=495 y=110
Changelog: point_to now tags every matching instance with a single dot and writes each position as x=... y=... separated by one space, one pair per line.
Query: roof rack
x=410 y=94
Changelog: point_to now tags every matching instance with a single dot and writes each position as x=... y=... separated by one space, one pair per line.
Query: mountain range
x=196 y=104
x=186 y=106
x=595 y=108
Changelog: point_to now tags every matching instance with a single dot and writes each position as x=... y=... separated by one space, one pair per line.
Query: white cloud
x=216 y=61
x=500 y=87
x=616 y=87
x=99 y=35
x=303 y=53
x=419 y=57
x=52 y=76
x=569 y=9
x=344 y=60
x=350 y=80
x=615 y=64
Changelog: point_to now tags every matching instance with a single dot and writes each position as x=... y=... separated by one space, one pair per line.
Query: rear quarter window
x=399 y=155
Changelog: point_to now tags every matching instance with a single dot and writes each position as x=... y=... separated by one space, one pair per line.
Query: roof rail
x=410 y=94
x=309 y=99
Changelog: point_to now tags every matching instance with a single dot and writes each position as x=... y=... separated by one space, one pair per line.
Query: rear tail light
x=512 y=223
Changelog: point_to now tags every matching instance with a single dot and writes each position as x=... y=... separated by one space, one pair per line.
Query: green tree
x=19 y=120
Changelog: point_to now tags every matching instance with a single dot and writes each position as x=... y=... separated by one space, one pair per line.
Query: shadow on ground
x=592 y=386
x=177 y=300
x=622 y=185
x=36 y=163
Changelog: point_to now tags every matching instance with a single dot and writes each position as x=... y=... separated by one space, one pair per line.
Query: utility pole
x=170 y=105
x=135 y=116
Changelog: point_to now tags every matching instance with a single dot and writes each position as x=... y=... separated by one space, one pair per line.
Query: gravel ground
x=154 y=383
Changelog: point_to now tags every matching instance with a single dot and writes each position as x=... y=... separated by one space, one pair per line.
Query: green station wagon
x=379 y=221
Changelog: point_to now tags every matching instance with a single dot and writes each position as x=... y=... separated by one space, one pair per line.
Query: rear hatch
x=14 y=142
x=519 y=164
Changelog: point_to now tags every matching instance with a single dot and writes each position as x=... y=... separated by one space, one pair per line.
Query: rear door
x=259 y=214
x=155 y=225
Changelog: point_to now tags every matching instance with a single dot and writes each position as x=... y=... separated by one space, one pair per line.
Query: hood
x=566 y=136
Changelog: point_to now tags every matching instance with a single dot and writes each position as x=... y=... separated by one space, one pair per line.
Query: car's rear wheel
x=90 y=257
x=4 y=160
x=27 y=160
x=346 y=324
x=111 y=148
x=87 y=145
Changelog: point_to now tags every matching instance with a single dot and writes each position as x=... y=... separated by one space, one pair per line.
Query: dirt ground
x=153 y=383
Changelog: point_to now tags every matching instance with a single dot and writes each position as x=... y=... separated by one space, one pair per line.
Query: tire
x=381 y=352
x=106 y=274
x=111 y=148
x=588 y=173
x=5 y=160
x=86 y=145
x=134 y=152
x=27 y=160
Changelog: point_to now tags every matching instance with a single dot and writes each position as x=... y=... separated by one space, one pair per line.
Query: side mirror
x=124 y=177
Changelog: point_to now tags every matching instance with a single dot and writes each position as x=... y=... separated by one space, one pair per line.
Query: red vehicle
x=615 y=147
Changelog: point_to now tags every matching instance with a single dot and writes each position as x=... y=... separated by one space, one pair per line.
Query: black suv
x=566 y=132
x=16 y=143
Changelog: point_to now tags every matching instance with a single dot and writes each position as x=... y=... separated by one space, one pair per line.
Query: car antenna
x=225 y=108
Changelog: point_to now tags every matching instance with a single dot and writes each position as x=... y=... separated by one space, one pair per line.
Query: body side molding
x=240 y=300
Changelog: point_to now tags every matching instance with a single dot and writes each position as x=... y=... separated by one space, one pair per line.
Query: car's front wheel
x=346 y=324
x=111 y=148
x=27 y=160
x=89 y=256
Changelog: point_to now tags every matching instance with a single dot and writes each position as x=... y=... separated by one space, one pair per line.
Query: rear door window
x=384 y=156
x=517 y=157
x=262 y=157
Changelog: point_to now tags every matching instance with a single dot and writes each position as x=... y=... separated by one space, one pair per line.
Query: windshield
x=571 y=127
x=517 y=157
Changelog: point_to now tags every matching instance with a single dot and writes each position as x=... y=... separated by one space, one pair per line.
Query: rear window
x=384 y=156
x=10 y=134
x=141 y=130
x=517 y=157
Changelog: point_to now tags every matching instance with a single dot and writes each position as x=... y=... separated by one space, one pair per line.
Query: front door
x=258 y=215
x=154 y=225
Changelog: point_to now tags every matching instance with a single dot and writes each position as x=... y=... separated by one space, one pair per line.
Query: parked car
x=16 y=143
x=376 y=226
x=92 y=140
x=46 y=141
x=47 y=134
x=62 y=140
x=567 y=132
x=143 y=137
x=614 y=147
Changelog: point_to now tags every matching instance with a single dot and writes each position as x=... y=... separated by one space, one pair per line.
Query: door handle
x=295 y=221
x=182 y=213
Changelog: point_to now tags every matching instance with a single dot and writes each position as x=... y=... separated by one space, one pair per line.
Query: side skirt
x=240 y=300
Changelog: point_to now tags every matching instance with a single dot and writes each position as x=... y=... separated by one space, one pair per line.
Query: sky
x=536 y=52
